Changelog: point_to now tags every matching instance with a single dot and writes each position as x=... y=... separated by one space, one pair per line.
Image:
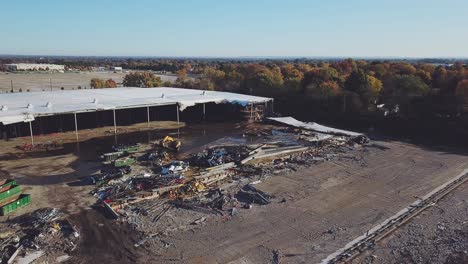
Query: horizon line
x=237 y=57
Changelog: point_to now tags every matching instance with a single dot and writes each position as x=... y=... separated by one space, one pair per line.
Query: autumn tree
x=97 y=83
x=292 y=77
x=323 y=90
x=110 y=83
x=142 y=79
x=214 y=78
x=404 y=68
x=375 y=85
x=462 y=90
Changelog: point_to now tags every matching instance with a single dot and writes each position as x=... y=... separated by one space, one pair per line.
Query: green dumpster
x=108 y=157
x=127 y=148
x=23 y=200
x=5 y=183
x=9 y=191
x=124 y=162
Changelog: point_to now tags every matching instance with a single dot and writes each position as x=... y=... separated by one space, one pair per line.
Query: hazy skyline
x=297 y=28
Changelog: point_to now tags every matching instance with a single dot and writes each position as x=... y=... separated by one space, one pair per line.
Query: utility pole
x=11 y=85
x=50 y=83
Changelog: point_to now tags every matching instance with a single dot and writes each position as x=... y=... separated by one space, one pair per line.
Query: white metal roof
x=23 y=107
x=314 y=126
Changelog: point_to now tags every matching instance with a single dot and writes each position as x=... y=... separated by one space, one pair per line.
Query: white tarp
x=23 y=107
x=314 y=126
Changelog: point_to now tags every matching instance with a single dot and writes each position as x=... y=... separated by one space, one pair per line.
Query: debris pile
x=43 y=233
x=217 y=181
x=216 y=156
x=108 y=174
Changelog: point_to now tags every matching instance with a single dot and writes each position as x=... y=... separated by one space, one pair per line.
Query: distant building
x=34 y=67
x=117 y=69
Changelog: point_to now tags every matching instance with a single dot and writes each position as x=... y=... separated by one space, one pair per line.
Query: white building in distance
x=34 y=67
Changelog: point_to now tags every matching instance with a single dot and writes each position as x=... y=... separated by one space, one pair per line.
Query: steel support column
x=115 y=124
x=76 y=127
x=204 y=111
x=30 y=129
x=178 y=122
x=148 y=113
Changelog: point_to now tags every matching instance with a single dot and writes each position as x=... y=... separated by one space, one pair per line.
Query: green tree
x=358 y=82
x=142 y=79
x=406 y=86
x=261 y=80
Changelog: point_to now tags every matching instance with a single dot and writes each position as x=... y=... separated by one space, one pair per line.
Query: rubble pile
x=108 y=174
x=216 y=156
x=43 y=233
x=133 y=187
x=217 y=181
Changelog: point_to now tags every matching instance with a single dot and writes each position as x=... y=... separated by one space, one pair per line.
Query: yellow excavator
x=170 y=143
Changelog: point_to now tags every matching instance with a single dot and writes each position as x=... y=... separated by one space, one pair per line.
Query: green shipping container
x=23 y=200
x=11 y=190
x=5 y=183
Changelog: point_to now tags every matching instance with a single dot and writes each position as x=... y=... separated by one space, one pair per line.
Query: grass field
x=69 y=80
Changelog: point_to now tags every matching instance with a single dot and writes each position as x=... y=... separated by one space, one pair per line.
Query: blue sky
x=215 y=28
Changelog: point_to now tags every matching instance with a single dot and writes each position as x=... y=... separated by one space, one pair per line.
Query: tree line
x=346 y=85
x=349 y=85
x=333 y=85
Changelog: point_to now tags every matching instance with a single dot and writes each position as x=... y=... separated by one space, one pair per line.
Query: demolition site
x=169 y=175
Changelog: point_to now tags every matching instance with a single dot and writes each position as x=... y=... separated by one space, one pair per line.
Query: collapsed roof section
x=314 y=126
x=24 y=107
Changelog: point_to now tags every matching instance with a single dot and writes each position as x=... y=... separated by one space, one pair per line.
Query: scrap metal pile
x=43 y=233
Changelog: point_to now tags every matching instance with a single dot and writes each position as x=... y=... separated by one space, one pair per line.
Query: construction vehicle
x=170 y=143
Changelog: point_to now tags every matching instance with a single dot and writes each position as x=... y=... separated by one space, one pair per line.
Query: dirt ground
x=437 y=235
x=69 y=80
x=326 y=206
x=316 y=210
x=50 y=175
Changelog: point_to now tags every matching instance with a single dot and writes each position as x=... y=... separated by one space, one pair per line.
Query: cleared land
x=437 y=235
x=69 y=80
x=326 y=206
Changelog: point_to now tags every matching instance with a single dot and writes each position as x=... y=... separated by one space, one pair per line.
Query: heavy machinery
x=170 y=143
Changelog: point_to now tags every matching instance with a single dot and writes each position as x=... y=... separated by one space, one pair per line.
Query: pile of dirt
x=103 y=240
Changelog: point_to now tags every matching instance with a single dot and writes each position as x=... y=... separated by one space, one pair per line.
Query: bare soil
x=326 y=206
x=437 y=235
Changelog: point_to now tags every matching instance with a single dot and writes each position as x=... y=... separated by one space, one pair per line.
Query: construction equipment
x=170 y=143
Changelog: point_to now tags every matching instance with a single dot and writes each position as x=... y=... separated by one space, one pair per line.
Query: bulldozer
x=170 y=143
